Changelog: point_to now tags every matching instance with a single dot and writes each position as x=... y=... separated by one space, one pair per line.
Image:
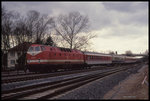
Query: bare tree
x=111 y=52
x=6 y=33
x=128 y=53
x=20 y=31
x=146 y=52
x=32 y=28
x=7 y=23
x=38 y=25
x=49 y=41
x=17 y=29
x=72 y=28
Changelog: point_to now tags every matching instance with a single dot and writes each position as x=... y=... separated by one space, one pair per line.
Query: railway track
x=51 y=90
x=39 y=76
x=19 y=74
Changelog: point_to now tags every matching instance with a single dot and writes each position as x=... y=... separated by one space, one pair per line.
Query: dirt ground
x=135 y=86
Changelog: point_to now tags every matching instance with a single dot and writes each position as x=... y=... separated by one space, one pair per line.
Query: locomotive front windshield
x=37 y=48
x=30 y=49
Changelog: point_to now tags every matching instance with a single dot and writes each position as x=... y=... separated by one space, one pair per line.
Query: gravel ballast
x=45 y=80
x=98 y=88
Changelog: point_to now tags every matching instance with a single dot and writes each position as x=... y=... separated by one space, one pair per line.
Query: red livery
x=42 y=57
x=47 y=58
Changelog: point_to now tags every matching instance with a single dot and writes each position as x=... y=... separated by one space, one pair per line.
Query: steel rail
x=39 y=76
x=64 y=85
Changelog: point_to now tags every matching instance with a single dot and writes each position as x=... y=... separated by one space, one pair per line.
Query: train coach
x=129 y=59
x=118 y=59
x=121 y=59
x=93 y=58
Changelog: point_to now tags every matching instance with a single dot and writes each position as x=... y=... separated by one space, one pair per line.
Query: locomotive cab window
x=30 y=49
x=42 y=48
x=37 y=48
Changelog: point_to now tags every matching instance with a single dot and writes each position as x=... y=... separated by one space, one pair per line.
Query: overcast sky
x=120 y=26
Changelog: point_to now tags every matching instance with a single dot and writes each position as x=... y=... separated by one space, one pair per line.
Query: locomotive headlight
x=32 y=54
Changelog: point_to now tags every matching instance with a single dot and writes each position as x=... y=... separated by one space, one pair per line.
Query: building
x=15 y=52
x=4 y=60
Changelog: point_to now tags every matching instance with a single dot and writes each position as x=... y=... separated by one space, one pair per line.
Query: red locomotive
x=47 y=58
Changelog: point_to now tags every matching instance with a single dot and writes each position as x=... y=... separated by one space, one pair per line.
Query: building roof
x=96 y=53
x=21 y=47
